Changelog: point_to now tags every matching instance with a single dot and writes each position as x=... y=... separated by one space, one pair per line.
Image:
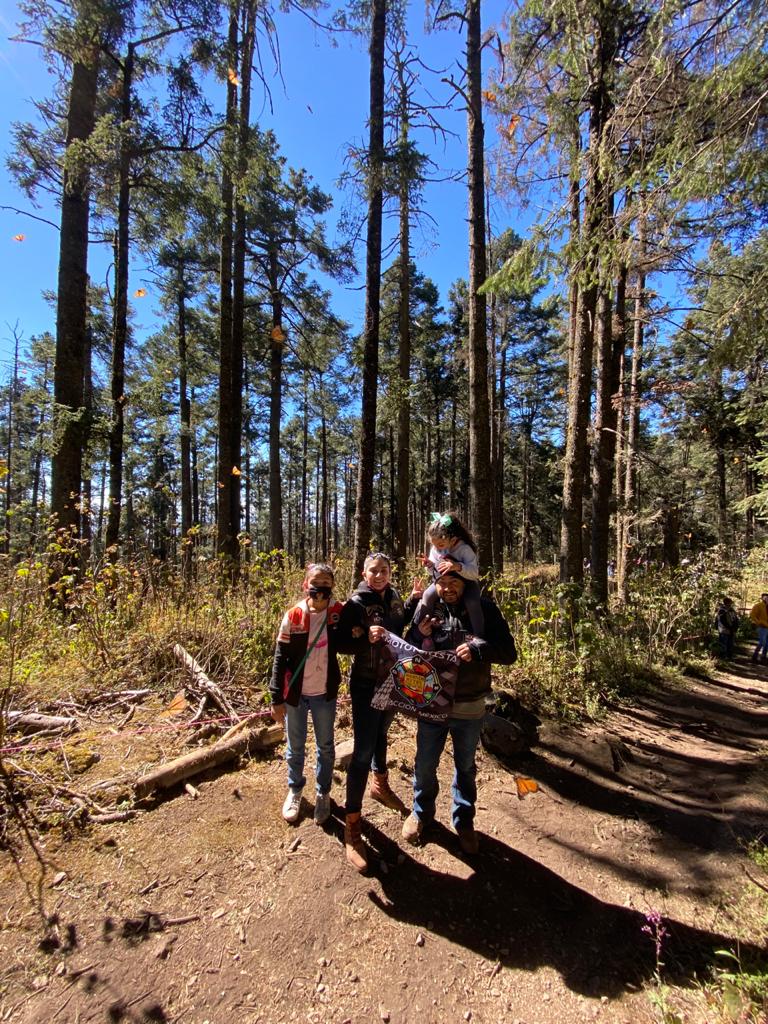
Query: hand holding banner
x=418 y=683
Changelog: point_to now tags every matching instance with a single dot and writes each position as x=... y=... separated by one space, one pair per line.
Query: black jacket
x=497 y=646
x=291 y=646
x=366 y=608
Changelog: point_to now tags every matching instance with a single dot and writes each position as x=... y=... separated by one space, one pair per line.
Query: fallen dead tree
x=33 y=721
x=202 y=687
x=231 y=747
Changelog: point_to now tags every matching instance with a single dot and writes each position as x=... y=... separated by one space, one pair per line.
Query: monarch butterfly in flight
x=525 y=786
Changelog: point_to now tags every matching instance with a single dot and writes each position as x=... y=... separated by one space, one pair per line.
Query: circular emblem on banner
x=416 y=680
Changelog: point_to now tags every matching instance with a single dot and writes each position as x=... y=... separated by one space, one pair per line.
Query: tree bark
x=185 y=436
x=580 y=369
x=120 y=324
x=277 y=341
x=72 y=306
x=226 y=531
x=611 y=346
x=367 y=457
x=238 y=280
x=480 y=483
x=404 y=377
x=633 y=433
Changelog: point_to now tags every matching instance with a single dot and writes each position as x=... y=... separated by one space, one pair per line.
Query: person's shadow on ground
x=515 y=910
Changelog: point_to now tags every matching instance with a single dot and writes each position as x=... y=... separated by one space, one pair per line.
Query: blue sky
x=320 y=107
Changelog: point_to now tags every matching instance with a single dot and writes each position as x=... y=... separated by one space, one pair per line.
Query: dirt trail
x=215 y=910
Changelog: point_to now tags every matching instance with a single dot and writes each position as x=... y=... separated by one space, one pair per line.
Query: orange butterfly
x=140 y=293
x=513 y=123
x=19 y=238
x=525 y=786
x=236 y=471
x=232 y=76
x=277 y=333
x=177 y=705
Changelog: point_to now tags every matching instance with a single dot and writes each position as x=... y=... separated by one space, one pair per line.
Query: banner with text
x=419 y=683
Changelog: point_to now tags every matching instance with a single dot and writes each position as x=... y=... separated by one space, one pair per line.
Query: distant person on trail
x=726 y=624
x=305 y=681
x=373 y=609
x=450 y=629
x=759 y=617
x=453 y=549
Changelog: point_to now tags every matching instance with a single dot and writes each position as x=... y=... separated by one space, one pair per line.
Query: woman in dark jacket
x=373 y=609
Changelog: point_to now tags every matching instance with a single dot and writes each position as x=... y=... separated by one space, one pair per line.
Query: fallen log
x=202 y=683
x=167 y=775
x=32 y=721
x=109 y=817
x=120 y=696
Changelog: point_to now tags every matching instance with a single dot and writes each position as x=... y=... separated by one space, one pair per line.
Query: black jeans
x=369 y=728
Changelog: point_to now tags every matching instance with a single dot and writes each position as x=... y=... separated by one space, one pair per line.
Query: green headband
x=436 y=519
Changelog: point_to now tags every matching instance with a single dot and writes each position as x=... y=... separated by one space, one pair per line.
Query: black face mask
x=324 y=592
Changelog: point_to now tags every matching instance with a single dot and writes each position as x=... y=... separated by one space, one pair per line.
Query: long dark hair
x=449 y=524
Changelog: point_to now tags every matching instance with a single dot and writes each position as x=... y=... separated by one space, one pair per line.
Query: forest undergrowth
x=117 y=625
x=87 y=644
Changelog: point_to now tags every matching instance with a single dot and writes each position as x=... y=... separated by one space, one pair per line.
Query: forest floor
x=214 y=910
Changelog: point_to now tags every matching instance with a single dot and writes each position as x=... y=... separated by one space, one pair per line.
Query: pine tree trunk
x=185 y=432
x=247 y=458
x=404 y=376
x=323 y=479
x=480 y=484
x=593 y=237
x=575 y=232
x=120 y=327
x=304 y=449
x=9 y=467
x=226 y=534
x=86 y=510
x=367 y=457
x=612 y=336
x=497 y=495
x=238 y=280
x=277 y=342
x=72 y=306
x=501 y=440
x=629 y=495
x=195 y=472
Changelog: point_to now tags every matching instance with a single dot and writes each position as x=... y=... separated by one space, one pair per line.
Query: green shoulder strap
x=308 y=651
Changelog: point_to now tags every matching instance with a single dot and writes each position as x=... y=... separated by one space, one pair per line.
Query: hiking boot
x=468 y=840
x=354 y=845
x=322 y=808
x=412 y=829
x=381 y=791
x=292 y=806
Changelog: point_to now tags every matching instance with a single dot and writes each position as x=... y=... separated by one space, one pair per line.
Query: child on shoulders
x=452 y=549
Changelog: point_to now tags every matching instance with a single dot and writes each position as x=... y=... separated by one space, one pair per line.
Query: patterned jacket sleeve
x=280 y=662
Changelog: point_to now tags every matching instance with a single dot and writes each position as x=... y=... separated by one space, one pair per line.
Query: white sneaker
x=292 y=806
x=322 y=808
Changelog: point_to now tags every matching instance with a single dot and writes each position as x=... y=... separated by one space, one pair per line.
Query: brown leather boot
x=354 y=846
x=381 y=790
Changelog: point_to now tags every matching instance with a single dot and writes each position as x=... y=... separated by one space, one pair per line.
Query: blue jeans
x=323 y=715
x=430 y=741
x=762 y=640
x=369 y=728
